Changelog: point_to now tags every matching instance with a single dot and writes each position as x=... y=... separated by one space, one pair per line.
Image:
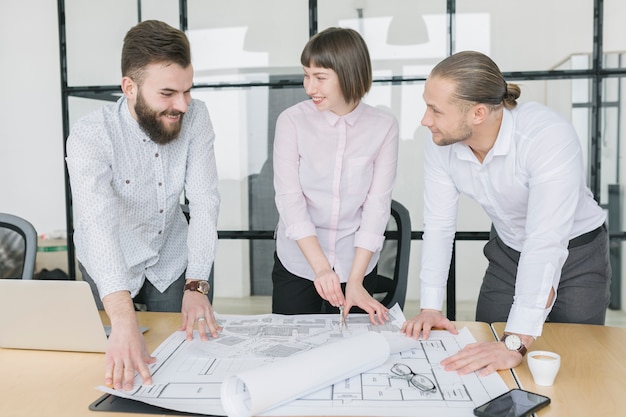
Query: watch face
x=203 y=287
x=200 y=286
x=512 y=342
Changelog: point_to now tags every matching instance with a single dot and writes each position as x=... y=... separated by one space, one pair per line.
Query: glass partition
x=246 y=60
x=244 y=41
x=405 y=37
x=94 y=34
x=532 y=35
x=613 y=38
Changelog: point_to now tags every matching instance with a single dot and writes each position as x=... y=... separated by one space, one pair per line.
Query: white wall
x=31 y=132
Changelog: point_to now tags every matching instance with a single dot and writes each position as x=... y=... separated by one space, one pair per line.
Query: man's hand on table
x=424 y=322
x=126 y=354
x=126 y=351
x=484 y=357
x=197 y=309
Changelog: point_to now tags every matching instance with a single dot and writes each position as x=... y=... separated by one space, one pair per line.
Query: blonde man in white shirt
x=335 y=161
x=523 y=164
x=129 y=164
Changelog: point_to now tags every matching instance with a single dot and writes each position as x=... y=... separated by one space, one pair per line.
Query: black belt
x=585 y=237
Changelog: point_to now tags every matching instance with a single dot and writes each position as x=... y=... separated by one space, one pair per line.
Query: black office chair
x=393 y=266
x=18 y=247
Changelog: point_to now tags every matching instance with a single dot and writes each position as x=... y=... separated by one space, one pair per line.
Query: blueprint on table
x=188 y=376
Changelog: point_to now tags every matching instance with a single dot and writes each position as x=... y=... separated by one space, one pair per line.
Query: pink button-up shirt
x=333 y=177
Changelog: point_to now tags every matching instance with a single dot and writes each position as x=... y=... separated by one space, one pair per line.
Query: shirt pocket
x=359 y=175
x=133 y=187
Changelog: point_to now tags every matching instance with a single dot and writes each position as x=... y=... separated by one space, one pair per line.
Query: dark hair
x=150 y=42
x=478 y=79
x=345 y=52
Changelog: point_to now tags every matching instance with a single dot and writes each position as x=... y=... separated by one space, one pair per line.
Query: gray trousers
x=171 y=300
x=583 y=292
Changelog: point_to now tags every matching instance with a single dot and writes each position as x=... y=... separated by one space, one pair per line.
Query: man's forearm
x=120 y=308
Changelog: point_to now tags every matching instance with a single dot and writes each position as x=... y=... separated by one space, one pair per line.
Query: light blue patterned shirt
x=126 y=193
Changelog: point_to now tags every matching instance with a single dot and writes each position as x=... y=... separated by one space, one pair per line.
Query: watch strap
x=197 y=285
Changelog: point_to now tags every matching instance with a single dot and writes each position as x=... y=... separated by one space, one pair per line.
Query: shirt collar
x=349 y=118
x=505 y=134
x=501 y=146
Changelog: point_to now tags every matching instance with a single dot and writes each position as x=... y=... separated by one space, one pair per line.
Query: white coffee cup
x=544 y=366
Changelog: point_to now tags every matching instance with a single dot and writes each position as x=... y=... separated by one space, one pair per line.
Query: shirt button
x=160 y=184
x=127 y=181
x=161 y=211
x=156 y=155
x=160 y=231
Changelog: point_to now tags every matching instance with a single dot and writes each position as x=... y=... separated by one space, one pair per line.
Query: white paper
x=257 y=390
x=188 y=376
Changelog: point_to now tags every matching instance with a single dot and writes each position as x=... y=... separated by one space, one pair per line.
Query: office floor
x=465 y=310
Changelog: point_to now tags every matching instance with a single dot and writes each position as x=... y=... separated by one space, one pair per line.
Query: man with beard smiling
x=129 y=164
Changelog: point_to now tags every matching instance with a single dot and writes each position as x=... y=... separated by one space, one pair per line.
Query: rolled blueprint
x=258 y=390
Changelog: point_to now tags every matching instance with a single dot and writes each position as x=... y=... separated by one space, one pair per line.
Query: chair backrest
x=392 y=280
x=28 y=233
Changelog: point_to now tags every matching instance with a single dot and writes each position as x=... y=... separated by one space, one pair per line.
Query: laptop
x=50 y=315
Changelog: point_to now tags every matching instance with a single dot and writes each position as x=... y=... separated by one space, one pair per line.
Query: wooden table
x=592 y=377
x=54 y=384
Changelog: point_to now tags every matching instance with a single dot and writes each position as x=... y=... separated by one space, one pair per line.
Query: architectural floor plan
x=405 y=381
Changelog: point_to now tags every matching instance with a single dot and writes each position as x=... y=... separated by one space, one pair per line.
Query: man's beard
x=149 y=121
x=462 y=133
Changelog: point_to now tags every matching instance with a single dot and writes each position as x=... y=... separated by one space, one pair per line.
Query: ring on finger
x=201 y=319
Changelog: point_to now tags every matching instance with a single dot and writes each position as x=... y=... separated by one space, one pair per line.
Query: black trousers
x=583 y=293
x=292 y=294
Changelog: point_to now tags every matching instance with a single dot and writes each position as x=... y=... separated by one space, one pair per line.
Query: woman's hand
x=357 y=295
x=329 y=288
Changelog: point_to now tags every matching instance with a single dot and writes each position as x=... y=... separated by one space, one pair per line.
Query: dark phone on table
x=515 y=403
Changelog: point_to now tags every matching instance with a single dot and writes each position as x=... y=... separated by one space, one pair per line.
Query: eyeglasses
x=421 y=382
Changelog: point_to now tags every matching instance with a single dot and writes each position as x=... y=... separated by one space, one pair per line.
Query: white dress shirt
x=333 y=177
x=126 y=193
x=532 y=186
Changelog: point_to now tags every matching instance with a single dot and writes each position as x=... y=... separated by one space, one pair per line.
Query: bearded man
x=129 y=163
